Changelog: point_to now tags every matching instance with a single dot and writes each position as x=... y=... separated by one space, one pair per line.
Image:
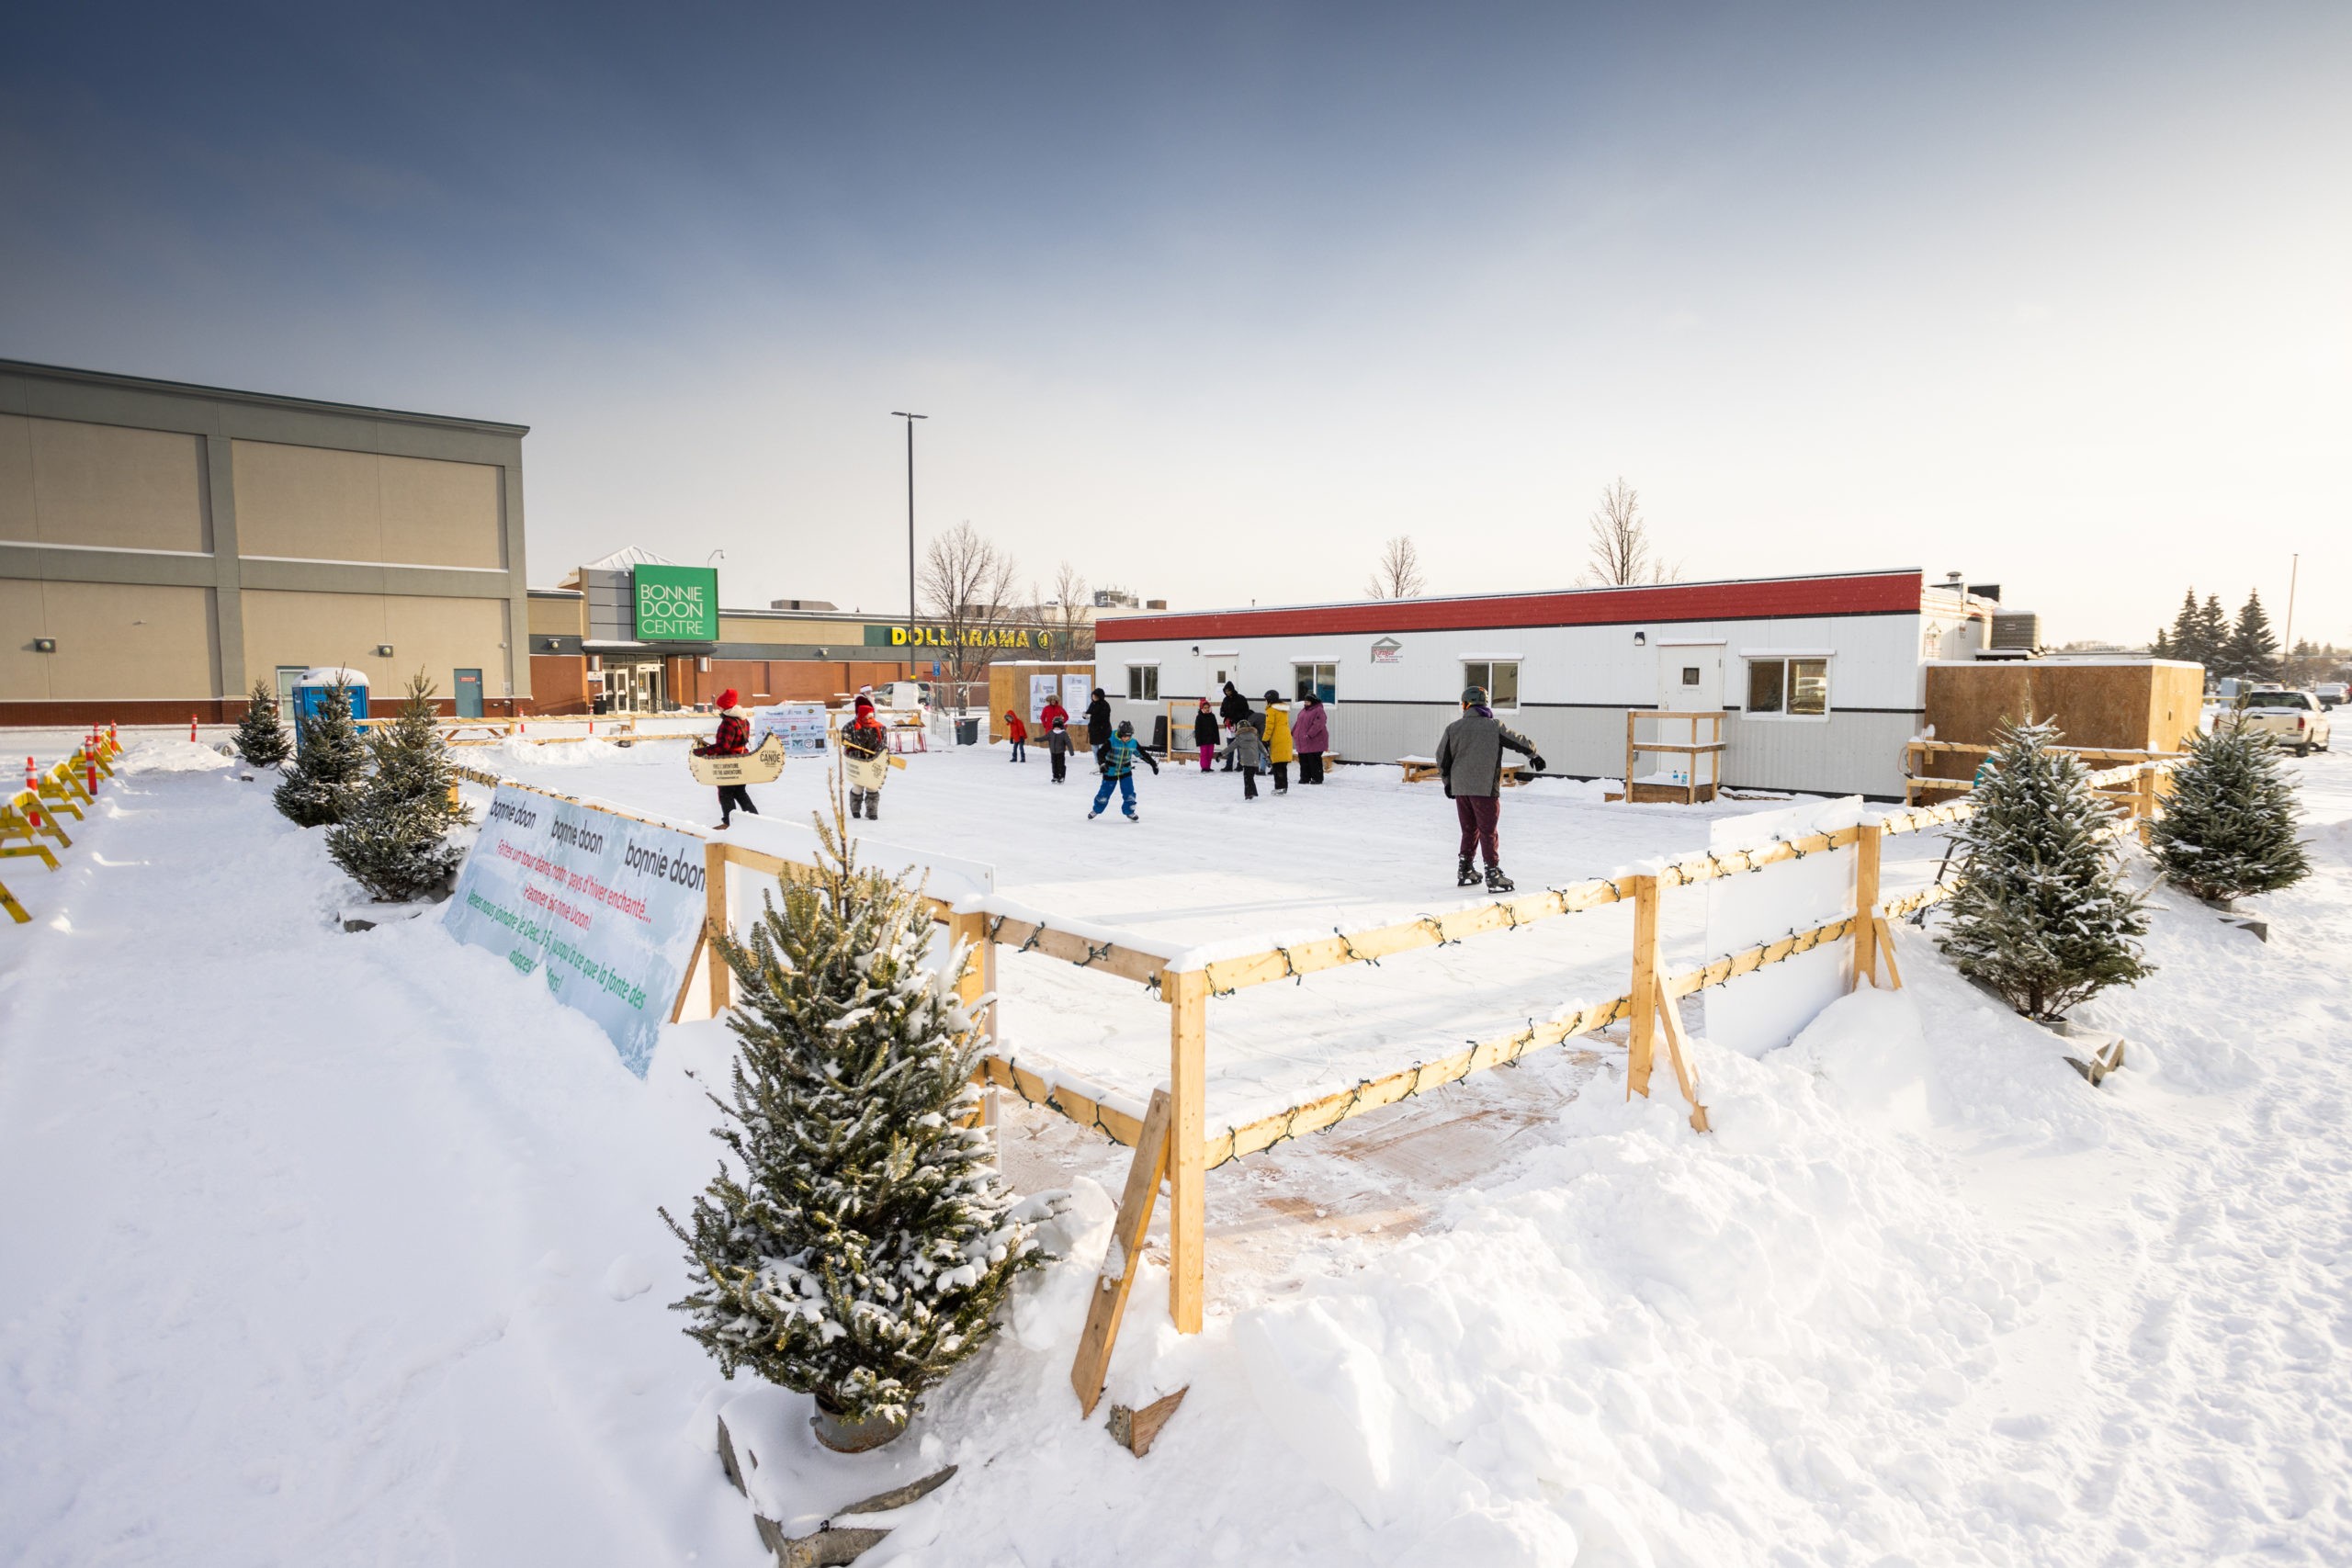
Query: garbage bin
x=967 y=732
x=310 y=694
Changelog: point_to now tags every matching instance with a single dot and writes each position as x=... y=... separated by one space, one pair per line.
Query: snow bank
x=166 y=755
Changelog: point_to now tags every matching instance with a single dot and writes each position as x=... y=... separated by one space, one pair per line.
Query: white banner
x=802 y=725
x=1043 y=689
x=1765 y=1010
x=605 y=907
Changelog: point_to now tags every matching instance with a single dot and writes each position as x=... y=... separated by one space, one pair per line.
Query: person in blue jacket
x=1119 y=757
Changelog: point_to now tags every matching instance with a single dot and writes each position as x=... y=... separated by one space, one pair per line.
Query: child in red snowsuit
x=1020 y=733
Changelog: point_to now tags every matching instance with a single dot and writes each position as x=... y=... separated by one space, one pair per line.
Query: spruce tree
x=393 y=835
x=856 y=1241
x=2214 y=636
x=2042 y=914
x=2229 y=825
x=2160 y=645
x=330 y=760
x=2253 y=651
x=260 y=740
x=2187 y=632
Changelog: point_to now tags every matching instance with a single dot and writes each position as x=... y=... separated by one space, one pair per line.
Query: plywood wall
x=2148 y=706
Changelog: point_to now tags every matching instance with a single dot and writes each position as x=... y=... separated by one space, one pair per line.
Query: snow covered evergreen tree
x=394 y=836
x=857 y=1242
x=319 y=780
x=2042 y=914
x=260 y=741
x=2229 y=824
x=2252 y=649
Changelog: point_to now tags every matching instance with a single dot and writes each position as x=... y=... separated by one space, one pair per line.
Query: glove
x=1536 y=763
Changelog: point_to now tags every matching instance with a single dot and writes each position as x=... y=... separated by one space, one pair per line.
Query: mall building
x=162 y=547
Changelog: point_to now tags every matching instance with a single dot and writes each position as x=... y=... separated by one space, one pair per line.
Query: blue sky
x=1210 y=301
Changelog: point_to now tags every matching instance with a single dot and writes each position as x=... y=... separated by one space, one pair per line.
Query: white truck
x=2294 y=719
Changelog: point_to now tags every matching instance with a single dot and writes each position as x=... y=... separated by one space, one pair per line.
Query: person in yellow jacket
x=1280 y=752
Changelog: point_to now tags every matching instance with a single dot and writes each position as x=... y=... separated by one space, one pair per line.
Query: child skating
x=1204 y=734
x=1119 y=770
x=1020 y=734
x=1248 y=754
x=1057 y=747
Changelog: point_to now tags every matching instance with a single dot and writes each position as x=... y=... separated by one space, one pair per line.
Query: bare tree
x=1064 y=612
x=1621 y=552
x=968 y=585
x=1398 y=574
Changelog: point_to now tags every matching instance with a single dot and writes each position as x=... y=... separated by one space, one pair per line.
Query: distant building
x=162 y=547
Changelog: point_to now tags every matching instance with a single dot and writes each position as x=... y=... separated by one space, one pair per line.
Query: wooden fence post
x=1187 y=993
x=1644 y=991
x=1866 y=868
x=2147 y=802
x=714 y=893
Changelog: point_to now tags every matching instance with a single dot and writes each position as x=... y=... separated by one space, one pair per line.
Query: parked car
x=2332 y=693
x=2294 y=719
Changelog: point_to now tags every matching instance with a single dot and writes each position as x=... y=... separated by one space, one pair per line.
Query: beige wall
x=314 y=503
x=114 y=641
x=437 y=636
x=67 y=483
x=560 y=617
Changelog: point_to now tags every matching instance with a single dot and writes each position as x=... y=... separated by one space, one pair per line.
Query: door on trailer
x=1690 y=677
x=469 y=693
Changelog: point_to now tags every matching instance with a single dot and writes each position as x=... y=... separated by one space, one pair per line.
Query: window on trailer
x=1500 y=680
x=1143 y=683
x=1318 y=681
x=1793 y=687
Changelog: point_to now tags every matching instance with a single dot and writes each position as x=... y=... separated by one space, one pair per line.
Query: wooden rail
x=1690 y=789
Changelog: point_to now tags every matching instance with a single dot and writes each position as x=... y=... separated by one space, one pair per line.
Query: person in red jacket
x=1020 y=733
x=1052 y=711
x=733 y=739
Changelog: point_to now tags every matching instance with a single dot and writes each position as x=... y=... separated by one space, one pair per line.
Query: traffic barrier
x=30 y=825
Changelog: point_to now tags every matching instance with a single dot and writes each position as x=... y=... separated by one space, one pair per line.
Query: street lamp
x=910 y=419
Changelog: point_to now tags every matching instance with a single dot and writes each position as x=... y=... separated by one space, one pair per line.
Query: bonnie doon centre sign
x=605 y=907
x=676 y=604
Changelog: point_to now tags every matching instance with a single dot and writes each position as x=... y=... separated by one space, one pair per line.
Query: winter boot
x=1464 y=875
x=1496 y=882
x=874 y=805
x=857 y=804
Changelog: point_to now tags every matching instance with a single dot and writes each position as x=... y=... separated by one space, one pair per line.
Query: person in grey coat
x=1470 y=760
x=1248 y=754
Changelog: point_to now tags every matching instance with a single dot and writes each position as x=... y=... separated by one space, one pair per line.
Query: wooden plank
x=1866 y=871
x=1187 y=995
x=1108 y=1305
x=686 y=980
x=1137 y=1430
x=970 y=980
x=714 y=892
x=1429 y=930
x=1645 y=989
x=1886 y=951
x=1780 y=950
x=47 y=857
x=16 y=911
x=1117 y=1125
x=1127 y=963
x=1677 y=1051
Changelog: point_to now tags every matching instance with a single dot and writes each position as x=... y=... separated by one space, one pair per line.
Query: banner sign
x=1765 y=1010
x=605 y=907
x=676 y=604
x=1043 y=690
x=802 y=725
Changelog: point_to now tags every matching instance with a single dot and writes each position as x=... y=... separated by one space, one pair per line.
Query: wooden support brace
x=47 y=857
x=1886 y=951
x=686 y=981
x=16 y=911
x=1866 y=923
x=1677 y=1050
x=1109 y=1303
x=714 y=893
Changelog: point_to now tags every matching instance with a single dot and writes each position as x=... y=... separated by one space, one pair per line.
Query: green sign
x=676 y=604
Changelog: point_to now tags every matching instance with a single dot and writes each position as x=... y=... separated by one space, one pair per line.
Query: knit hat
x=1273 y=696
x=1474 y=697
x=864 y=705
x=727 y=698
x=1125 y=728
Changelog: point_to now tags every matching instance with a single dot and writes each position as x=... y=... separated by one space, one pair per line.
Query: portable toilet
x=310 y=694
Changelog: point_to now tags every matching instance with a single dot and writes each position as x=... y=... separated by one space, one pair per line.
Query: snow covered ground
x=329 y=1247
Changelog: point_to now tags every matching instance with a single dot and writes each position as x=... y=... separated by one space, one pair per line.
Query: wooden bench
x=1417 y=769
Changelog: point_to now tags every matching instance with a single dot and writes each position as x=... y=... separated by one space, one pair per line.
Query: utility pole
x=2287 y=638
x=911 y=645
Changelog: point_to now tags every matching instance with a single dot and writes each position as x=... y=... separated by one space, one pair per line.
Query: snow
x=328 y=1248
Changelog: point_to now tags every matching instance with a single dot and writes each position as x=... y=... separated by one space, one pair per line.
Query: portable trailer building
x=1820 y=679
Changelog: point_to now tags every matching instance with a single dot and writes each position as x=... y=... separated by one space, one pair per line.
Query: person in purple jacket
x=1310 y=735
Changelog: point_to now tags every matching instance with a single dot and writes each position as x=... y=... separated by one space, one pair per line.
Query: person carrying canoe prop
x=866 y=757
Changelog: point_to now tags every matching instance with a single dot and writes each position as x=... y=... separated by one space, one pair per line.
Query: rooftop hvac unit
x=2017 y=631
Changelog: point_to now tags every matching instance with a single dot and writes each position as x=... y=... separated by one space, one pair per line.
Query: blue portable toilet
x=310 y=694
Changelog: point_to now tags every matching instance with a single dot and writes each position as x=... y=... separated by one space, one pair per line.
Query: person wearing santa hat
x=733 y=739
x=866 y=757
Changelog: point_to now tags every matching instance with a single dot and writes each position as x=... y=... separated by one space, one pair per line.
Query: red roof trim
x=1864 y=593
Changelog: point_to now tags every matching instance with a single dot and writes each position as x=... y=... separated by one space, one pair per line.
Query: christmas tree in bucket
x=858 y=1240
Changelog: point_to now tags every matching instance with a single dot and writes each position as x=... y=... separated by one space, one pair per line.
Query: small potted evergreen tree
x=331 y=760
x=393 y=836
x=2042 y=915
x=261 y=740
x=857 y=1239
x=2228 y=828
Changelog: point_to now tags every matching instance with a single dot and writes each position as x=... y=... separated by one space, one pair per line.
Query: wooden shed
x=1021 y=684
x=2122 y=705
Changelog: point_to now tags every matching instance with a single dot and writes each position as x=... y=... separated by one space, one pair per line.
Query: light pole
x=2287 y=637
x=910 y=419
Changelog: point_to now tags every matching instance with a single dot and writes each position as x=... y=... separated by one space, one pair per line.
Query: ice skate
x=1496 y=882
x=1466 y=875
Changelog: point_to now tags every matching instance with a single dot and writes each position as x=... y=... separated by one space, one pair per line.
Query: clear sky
x=1210 y=301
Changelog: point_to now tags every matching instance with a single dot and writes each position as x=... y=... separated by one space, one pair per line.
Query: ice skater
x=1020 y=733
x=1248 y=753
x=1098 y=727
x=866 y=757
x=1205 y=730
x=1233 y=709
x=1057 y=747
x=733 y=739
x=1279 y=750
x=1470 y=760
x=1119 y=771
